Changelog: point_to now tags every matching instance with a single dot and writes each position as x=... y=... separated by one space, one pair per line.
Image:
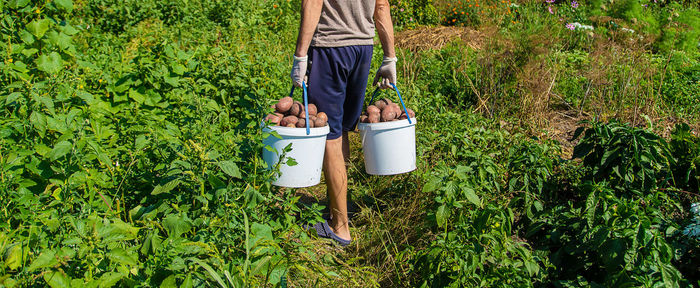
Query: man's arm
x=385 y=28
x=310 y=14
x=382 y=20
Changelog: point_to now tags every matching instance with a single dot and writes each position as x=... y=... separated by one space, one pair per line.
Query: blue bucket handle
x=376 y=91
x=306 y=104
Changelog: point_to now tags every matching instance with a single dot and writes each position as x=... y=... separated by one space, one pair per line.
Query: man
x=335 y=42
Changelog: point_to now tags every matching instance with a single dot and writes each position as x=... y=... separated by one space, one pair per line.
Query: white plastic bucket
x=307 y=151
x=389 y=147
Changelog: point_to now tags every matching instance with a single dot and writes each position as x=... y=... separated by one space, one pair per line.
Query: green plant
x=411 y=13
x=631 y=159
x=607 y=240
x=474 y=13
x=685 y=148
x=474 y=245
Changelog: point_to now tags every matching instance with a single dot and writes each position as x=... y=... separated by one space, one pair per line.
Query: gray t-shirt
x=345 y=23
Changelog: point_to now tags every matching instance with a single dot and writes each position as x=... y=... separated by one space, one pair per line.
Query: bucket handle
x=376 y=91
x=306 y=105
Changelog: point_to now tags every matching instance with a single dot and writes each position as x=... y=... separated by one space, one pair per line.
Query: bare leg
x=337 y=183
x=346 y=147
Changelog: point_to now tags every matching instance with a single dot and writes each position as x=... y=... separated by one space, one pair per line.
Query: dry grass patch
x=426 y=38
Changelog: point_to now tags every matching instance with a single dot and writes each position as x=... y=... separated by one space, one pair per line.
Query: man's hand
x=299 y=70
x=386 y=73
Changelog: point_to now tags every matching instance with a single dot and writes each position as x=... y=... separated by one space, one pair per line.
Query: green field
x=557 y=146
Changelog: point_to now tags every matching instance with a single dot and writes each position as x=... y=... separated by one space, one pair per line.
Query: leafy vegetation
x=130 y=142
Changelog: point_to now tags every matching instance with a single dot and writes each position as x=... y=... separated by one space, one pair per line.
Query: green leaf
x=26 y=37
x=173 y=81
x=12 y=97
x=151 y=244
x=13 y=257
x=179 y=69
x=65 y=4
x=170 y=281
x=176 y=225
x=252 y=196
x=211 y=272
x=38 y=120
x=29 y=52
x=261 y=233
x=109 y=279
x=60 y=149
x=441 y=215
x=62 y=40
x=532 y=267
x=16 y=4
x=50 y=64
x=141 y=142
x=121 y=256
x=117 y=231
x=38 y=27
x=432 y=185
x=57 y=279
x=669 y=274
x=46 y=259
x=166 y=188
x=591 y=203
x=230 y=168
x=471 y=196
x=187 y=283
x=137 y=96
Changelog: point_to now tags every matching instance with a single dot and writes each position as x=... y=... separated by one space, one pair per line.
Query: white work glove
x=386 y=73
x=299 y=70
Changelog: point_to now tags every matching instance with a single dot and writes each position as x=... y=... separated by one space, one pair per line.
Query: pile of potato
x=384 y=110
x=290 y=113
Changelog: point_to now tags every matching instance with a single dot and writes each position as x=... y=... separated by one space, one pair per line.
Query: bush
x=685 y=147
x=411 y=13
x=608 y=241
x=631 y=159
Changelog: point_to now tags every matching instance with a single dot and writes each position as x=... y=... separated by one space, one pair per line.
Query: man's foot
x=338 y=230
x=323 y=230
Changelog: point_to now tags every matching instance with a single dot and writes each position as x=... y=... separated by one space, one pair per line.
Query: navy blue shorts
x=337 y=79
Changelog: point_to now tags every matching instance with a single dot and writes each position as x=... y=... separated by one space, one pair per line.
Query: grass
x=489 y=96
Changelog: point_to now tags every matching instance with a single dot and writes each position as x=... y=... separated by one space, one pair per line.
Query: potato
x=296 y=108
x=402 y=116
x=284 y=104
x=373 y=118
x=312 y=109
x=279 y=115
x=301 y=123
x=273 y=118
x=397 y=109
x=387 y=114
x=291 y=125
x=411 y=113
x=320 y=122
x=322 y=115
x=289 y=120
x=372 y=109
x=382 y=103
x=363 y=119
